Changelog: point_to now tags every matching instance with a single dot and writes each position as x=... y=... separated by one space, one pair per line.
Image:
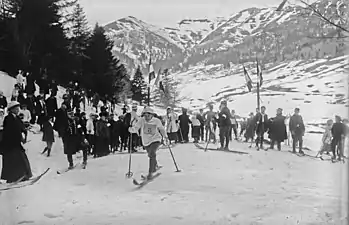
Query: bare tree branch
x=324 y=18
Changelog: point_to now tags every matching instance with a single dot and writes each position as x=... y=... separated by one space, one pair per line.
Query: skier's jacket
x=338 y=129
x=224 y=117
x=151 y=131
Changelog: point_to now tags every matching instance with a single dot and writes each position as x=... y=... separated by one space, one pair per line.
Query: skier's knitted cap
x=148 y=110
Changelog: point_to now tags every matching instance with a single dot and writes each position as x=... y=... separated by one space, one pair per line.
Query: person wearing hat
x=297 y=129
x=3 y=100
x=224 y=124
x=171 y=125
x=184 y=122
x=338 y=135
x=15 y=163
x=152 y=133
x=277 y=129
x=102 y=135
x=132 y=118
x=71 y=137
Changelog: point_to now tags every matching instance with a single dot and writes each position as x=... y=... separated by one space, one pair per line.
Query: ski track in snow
x=213 y=188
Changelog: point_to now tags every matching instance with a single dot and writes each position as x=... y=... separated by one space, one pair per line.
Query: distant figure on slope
x=326 y=139
x=277 y=130
x=224 y=125
x=261 y=120
x=210 y=125
x=152 y=132
x=171 y=125
x=234 y=126
x=338 y=134
x=15 y=163
x=297 y=129
x=195 y=127
x=200 y=117
x=184 y=122
x=250 y=128
x=3 y=100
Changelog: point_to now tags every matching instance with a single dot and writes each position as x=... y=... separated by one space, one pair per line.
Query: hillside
x=318 y=87
x=293 y=33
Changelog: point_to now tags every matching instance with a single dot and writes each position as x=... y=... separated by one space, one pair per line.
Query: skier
x=200 y=117
x=3 y=100
x=224 y=125
x=152 y=132
x=297 y=129
x=15 y=163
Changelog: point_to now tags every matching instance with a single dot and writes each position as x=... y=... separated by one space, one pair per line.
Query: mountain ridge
x=253 y=32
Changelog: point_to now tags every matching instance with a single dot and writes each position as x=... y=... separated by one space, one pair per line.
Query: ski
x=141 y=184
x=20 y=184
x=214 y=149
x=59 y=172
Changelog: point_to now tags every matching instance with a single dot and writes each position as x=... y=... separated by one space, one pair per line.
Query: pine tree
x=139 y=87
x=102 y=72
x=34 y=38
x=79 y=37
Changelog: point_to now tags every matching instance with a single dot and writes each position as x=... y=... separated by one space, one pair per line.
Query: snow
x=314 y=91
x=213 y=188
x=265 y=187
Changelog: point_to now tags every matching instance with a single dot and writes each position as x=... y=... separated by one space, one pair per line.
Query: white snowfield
x=318 y=87
x=265 y=187
x=213 y=188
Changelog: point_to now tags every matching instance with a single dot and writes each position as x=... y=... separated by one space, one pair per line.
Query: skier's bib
x=149 y=129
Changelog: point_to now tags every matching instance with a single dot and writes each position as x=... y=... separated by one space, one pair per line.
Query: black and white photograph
x=174 y=112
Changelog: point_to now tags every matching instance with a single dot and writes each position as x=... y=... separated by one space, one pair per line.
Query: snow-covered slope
x=190 y=32
x=135 y=41
x=318 y=87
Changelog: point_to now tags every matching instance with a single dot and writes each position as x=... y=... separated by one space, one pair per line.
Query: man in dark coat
x=184 y=122
x=51 y=105
x=277 y=130
x=54 y=88
x=30 y=87
x=70 y=138
x=338 y=134
x=15 y=163
x=261 y=121
x=297 y=129
x=200 y=117
x=30 y=101
x=61 y=121
x=224 y=124
x=3 y=100
x=40 y=109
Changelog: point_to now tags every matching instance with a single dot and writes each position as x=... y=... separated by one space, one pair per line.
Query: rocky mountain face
x=293 y=33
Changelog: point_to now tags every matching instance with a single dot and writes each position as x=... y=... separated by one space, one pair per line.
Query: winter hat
x=148 y=110
x=12 y=105
x=224 y=102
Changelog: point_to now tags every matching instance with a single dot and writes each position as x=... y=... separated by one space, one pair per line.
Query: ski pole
x=129 y=174
x=174 y=161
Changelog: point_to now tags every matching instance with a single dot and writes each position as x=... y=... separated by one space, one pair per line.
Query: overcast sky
x=165 y=12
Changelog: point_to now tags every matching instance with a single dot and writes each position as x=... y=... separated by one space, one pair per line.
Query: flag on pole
x=158 y=81
x=259 y=74
x=151 y=71
x=248 y=80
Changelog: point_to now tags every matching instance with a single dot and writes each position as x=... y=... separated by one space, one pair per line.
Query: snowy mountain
x=293 y=33
x=190 y=32
x=135 y=40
